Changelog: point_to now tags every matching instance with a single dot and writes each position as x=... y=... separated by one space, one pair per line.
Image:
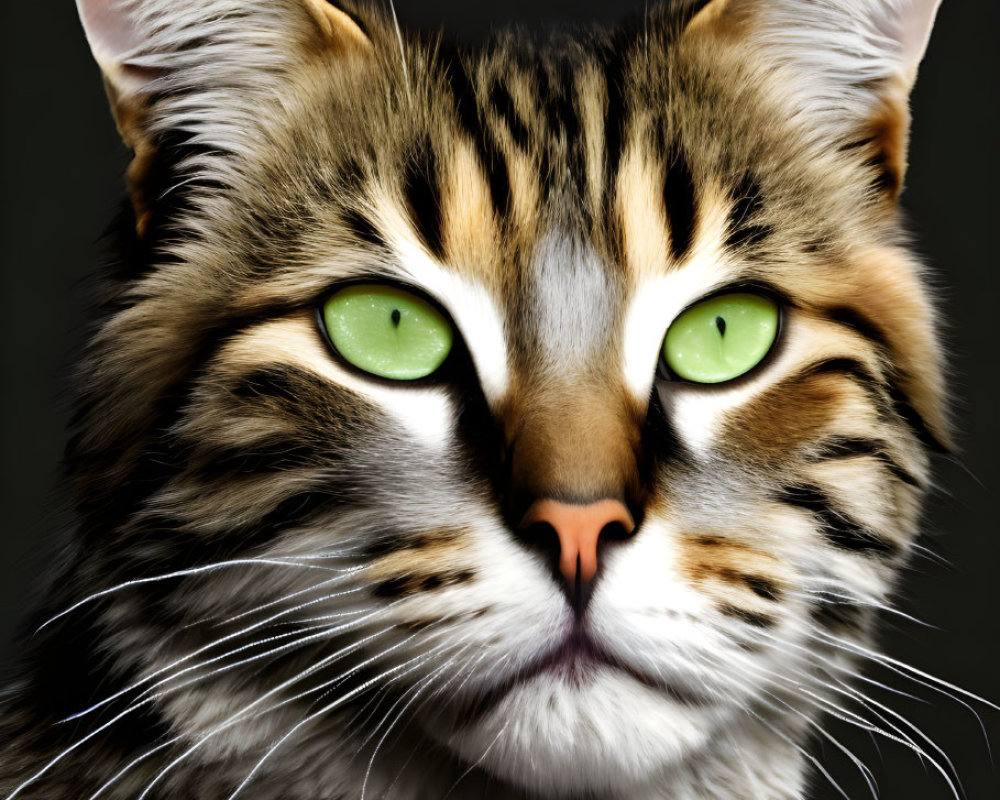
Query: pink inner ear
x=109 y=28
x=917 y=29
x=916 y=18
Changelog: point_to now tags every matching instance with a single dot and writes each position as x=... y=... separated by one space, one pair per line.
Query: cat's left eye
x=387 y=331
x=722 y=337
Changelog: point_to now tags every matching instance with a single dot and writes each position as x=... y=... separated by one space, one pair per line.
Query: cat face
x=541 y=541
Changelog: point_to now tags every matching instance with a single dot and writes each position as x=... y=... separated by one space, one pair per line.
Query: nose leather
x=579 y=528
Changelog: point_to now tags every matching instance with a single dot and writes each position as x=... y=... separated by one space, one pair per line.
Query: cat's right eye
x=387 y=331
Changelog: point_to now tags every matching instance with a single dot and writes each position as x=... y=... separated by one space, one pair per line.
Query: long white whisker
x=868 y=702
x=823 y=594
x=900 y=736
x=212 y=645
x=805 y=754
x=138 y=704
x=131 y=764
x=862 y=767
x=851 y=718
x=240 y=715
x=901 y=667
x=347 y=575
x=478 y=761
x=420 y=689
x=771 y=676
x=209 y=568
x=408 y=665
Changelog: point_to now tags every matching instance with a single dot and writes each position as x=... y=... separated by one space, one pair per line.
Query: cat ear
x=849 y=65
x=143 y=45
x=910 y=25
x=199 y=66
x=889 y=36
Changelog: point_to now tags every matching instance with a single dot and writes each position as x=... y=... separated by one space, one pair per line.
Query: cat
x=538 y=420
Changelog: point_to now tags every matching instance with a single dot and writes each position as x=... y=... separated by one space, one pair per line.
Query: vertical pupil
x=720 y=323
x=396 y=316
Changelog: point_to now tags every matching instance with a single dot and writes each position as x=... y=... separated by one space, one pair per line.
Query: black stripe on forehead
x=679 y=203
x=470 y=121
x=502 y=103
x=557 y=98
x=363 y=229
x=422 y=187
x=615 y=117
x=745 y=226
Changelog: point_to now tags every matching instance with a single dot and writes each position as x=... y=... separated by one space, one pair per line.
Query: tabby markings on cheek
x=841 y=447
x=836 y=526
x=410 y=584
x=730 y=564
x=751 y=618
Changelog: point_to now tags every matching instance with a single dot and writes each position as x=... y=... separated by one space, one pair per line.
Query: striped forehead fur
x=502 y=86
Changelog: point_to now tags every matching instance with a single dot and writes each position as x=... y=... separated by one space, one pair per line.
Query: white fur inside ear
x=839 y=56
x=112 y=35
x=913 y=20
x=891 y=35
x=109 y=28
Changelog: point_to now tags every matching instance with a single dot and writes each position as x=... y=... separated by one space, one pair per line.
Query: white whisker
x=862 y=767
x=240 y=715
x=478 y=761
x=828 y=596
x=409 y=665
x=417 y=690
x=213 y=645
x=153 y=697
x=901 y=667
x=209 y=568
x=868 y=702
x=803 y=752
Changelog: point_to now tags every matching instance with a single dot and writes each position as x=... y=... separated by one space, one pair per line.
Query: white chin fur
x=605 y=732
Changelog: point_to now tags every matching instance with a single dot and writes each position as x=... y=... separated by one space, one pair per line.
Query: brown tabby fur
x=213 y=425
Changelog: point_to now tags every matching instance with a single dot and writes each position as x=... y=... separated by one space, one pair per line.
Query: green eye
x=387 y=331
x=721 y=338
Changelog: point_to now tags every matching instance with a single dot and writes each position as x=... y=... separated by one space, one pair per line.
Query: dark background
x=61 y=178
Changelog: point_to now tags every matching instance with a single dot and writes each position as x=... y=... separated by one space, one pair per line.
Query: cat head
x=576 y=393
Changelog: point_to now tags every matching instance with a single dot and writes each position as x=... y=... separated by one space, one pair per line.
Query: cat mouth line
x=576 y=660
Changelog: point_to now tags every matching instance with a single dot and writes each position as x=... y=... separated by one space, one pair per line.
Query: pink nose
x=579 y=528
